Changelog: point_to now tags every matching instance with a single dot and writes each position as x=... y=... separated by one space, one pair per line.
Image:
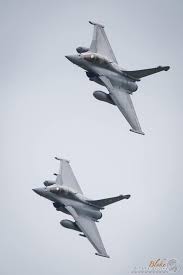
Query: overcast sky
x=47 y=109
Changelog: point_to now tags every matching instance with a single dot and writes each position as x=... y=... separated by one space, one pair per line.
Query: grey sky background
x=47 y=109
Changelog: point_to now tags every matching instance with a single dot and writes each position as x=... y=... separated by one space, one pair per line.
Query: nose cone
x=69 y=57
x=73 y=58
x=38 y=191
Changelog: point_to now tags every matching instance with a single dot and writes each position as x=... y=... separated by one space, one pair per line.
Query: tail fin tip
x=126 y=196
x=166 y=68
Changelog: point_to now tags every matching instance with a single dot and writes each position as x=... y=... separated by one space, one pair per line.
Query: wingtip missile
x=97 y=24
x=57 y=158
x=137 y=132
x=60 y=159
x=102 y=255
x=82 y=235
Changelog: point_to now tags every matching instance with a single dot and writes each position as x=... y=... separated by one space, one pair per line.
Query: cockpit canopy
x=61 y=189
x=55 y=189
x=96 y=58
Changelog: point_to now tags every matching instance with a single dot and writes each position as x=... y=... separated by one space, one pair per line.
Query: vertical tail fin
x=107 y=201
x=136 y=75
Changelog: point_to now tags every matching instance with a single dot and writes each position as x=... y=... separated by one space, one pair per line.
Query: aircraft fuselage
x=61 y=196
x=97 y=65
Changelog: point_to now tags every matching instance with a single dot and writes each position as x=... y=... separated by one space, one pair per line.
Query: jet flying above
x=101 y=66
x=67 y=197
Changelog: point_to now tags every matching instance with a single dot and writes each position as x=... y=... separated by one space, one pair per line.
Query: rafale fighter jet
x=67 y=196
x=101 y=66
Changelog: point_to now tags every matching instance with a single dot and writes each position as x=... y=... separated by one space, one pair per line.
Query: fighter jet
x=67 y=197
x=101 y=66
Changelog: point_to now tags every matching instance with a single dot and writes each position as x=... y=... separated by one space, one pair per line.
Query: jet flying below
x=67 y=197
x=101 y=66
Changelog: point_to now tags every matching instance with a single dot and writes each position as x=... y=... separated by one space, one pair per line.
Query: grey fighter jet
x=67 y=197
x=101 y=66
